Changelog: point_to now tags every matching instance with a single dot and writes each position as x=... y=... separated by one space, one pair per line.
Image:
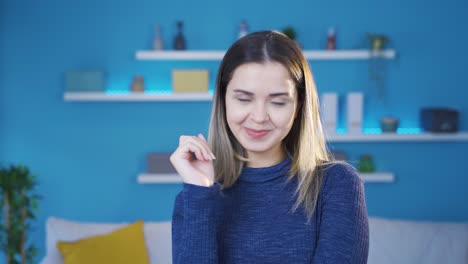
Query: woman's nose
x=259 y=113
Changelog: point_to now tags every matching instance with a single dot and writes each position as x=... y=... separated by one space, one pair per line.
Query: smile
x=256 y=134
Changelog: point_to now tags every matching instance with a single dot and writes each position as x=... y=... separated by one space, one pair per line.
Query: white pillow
x=157 y=237
x=408 y=242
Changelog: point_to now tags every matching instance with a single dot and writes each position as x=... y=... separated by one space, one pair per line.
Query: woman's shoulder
x=339 y=173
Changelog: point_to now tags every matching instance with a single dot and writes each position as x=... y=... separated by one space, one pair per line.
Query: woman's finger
x=208 y=154
x=203 y=138
x=195 y=147
x=200 y=136
x=189 y=147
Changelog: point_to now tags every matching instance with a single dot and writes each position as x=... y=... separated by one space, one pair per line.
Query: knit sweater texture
x=253 y=222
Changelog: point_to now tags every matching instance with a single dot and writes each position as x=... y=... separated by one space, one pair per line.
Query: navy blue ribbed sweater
x=252 y=222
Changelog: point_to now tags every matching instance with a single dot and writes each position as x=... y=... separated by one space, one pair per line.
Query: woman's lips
x=256 y=134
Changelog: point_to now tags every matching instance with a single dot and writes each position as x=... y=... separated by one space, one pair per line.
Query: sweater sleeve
x=194 y=225
x=344 y=228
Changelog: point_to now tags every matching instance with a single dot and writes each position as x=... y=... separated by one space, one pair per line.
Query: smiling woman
x=261 y=104
x=264 y=189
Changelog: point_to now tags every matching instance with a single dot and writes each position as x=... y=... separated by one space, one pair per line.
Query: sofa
x=157 y=236
x=391 y=241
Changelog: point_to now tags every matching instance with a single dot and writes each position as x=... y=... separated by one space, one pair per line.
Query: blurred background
x=87 y=155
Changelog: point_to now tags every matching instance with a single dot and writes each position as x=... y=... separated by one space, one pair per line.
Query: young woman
x=264 y=189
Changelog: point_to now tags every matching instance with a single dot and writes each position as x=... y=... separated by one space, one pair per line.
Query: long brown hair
x=305 y=142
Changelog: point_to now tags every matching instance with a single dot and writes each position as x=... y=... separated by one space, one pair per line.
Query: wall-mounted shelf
x=135 y=96
x=381 y=177
x=158 y=178
x=215 y=55
x=392 y=137
x=378 y=177
x=209 y=55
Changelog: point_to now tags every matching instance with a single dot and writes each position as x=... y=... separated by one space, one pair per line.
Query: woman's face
x=261 y=104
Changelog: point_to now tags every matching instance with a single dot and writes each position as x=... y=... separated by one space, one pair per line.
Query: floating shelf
x=390 y=137
x=377 y=177
x=174 y=178
x=215 y=55
x=336 y=138
x=128 y=97
x=158 y=178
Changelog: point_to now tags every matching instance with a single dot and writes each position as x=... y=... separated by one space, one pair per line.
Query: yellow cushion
x=125 y=245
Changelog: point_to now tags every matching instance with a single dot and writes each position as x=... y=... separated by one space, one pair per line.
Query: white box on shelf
x=329 y=111
x=355 y=102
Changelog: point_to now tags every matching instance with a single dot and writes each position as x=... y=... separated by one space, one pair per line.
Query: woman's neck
x=266 y=159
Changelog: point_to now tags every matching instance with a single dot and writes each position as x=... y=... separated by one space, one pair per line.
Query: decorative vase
x=158 y=42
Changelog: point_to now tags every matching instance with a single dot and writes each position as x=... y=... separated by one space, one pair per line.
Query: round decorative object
x=389 y=124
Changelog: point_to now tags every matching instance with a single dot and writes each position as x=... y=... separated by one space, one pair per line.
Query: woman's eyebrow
x=242 y=91
x=250 y=93
x=278 y=94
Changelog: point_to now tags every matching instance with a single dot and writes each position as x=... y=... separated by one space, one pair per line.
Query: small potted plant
x=366 y=164
x=377 y=62
x=18 y=206
x=290 y=32
x=377 y=41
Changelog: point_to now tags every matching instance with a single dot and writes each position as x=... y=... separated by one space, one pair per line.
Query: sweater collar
x=267 y=173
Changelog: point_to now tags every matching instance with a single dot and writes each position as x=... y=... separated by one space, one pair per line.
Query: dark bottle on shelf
x=179 y=41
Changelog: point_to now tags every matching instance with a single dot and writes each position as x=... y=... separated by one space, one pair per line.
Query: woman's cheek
x=238 y=115
x=282 y=116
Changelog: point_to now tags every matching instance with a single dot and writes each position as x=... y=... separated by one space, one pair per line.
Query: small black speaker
x=439 y=120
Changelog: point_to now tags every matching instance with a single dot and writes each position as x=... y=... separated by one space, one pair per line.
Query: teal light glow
x=122 y=87
x=147 y=91
x=341 y=131
x=117 y=92
x=399 y=131
x=372 y=131
x=377 y=131
x=155 y=91
x=409 y=130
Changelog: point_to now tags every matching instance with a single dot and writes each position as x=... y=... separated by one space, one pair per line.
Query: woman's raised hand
x=193 y=160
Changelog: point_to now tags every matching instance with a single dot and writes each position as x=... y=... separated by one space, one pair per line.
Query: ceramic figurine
x=179 y=41
x=137 y=84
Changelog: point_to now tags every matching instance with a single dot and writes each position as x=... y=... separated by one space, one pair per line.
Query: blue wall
x=87 y=155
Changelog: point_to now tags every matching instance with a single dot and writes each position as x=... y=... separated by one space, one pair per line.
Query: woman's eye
x=243 y=100
x=278 y=103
